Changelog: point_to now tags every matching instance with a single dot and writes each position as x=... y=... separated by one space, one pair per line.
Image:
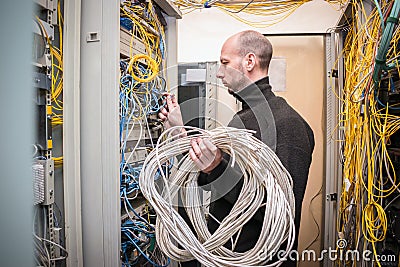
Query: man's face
x=231 y=70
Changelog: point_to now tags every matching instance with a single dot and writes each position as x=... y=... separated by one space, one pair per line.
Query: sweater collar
x=255 y=93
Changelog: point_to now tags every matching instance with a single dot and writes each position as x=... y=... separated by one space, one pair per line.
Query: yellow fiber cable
x=266 y=13
x=152 y=66
x=367 y=130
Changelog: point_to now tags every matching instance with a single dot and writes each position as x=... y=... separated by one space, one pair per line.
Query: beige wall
x=305 y=91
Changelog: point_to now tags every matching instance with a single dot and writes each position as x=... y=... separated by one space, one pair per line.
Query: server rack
x=89 y=139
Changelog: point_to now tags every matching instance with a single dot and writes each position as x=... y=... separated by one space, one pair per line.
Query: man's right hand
x=205 y=154
x=170 y=114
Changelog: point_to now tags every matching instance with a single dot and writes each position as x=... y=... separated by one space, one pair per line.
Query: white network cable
x=266 y=182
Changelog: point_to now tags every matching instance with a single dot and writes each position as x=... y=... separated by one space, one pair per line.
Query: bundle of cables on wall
x=265 y=182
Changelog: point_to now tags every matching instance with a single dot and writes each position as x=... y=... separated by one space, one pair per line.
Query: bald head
x=254 y=42
x=245 y=58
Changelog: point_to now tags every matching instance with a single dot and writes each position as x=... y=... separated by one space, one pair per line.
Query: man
x=245 y=59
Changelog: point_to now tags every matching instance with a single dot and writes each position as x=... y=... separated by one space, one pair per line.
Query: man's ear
x=250 y=61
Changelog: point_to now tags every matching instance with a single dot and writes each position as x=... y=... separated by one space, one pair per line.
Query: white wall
x=201 y=33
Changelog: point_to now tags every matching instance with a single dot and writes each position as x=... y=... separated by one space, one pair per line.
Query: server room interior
x=336 y=63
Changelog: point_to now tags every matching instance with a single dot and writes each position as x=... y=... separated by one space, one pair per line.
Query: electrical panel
x=143 y=83
x=365 y=79
x=48 y=84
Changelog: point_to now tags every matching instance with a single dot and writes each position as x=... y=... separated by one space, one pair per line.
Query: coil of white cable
x=265 y=182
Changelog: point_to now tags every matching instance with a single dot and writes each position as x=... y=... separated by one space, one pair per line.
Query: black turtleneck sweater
x=279 y=126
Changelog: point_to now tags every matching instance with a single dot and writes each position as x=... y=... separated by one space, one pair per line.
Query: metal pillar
x=71 y=133
x=99 y=133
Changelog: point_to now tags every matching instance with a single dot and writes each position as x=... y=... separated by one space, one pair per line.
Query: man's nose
x=220 y=74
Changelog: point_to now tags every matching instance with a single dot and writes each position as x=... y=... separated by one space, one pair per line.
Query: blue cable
x=392 y=87
x=133 y=93
x=136 y=214
x=161 y=45
x=145 y=256
x=384 y=105
x=135 y=226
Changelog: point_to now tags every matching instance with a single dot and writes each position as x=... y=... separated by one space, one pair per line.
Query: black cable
x=313 y=217
x=243 y=8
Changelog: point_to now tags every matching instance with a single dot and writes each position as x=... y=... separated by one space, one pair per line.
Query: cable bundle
x=368 y=124
x=266 y=182
x=265 y=13
x=142 y=85
x=148 y=29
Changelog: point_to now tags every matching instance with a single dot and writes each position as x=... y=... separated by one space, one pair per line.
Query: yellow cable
x=367 y=131
x=152 y=66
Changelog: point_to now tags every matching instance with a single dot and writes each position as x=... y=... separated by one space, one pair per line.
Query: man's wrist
x=182 y=132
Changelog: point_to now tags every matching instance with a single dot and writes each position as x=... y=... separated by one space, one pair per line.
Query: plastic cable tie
x=392 y=20
x=380 y=61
